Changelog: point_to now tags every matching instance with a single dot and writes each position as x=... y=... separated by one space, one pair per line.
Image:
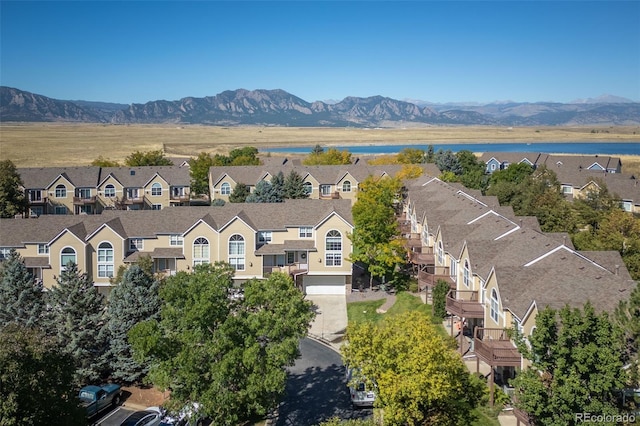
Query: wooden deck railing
x=465 y=304
x=84 y=200
x=429 y=276
x=494 y=347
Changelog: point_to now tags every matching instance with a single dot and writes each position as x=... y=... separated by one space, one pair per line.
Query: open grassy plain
x=61 y=144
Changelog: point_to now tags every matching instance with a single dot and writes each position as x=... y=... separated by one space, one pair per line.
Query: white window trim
x=60 y=187
x=225 y=188
x=154 y=188
x=235 y=258
x=136 y=247
x=204 y=258
x=107 y=191
x=265 y=236
x=176 y=240
x=106 y=266
x=305 y=232
x=63 y=265
x=43 y=249
x=332 y=257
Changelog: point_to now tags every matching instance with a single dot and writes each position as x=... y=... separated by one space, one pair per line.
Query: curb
x=323 y=341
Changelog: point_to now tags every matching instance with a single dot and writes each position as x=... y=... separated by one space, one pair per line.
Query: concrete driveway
x=330 y=323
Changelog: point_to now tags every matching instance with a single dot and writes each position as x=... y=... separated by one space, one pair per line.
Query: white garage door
x=324 y=285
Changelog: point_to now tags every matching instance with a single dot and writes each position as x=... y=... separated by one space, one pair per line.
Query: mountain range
x=280 y=108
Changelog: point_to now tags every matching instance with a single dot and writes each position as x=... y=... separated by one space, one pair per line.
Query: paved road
x=316 y=389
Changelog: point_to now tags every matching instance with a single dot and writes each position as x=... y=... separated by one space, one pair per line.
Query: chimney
x=617 y=269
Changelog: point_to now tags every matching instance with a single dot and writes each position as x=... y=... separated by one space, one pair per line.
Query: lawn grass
x=358 y=312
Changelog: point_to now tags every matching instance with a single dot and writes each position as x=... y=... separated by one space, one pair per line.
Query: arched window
x=440 y=253
x=236 y=252
x=105 y=260
x=156 y=189
x=109 y=191
x=308 y=187
x=67 y=255
x=494 y=305
x=225 y=189
x=333 y=248
x=466 y=273
x=346 y=186
x=200 y=251
x=61 y=191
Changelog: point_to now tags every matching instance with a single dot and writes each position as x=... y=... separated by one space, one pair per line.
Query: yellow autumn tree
x=421 y=379
x=409 y=171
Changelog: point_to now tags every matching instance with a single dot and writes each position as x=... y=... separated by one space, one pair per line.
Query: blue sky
x=428 y=50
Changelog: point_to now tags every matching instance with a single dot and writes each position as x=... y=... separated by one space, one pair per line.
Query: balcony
x=429 y=275
x=293 y=269
x=133 y=200
x=37 y=201
x=422 y=256
x=331 y=196
x=180 y=197
x=493 y=346
x=414 y=242
x=464 y=304
x=84 y=200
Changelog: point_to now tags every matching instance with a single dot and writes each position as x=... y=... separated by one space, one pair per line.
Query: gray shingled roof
x=173 y=220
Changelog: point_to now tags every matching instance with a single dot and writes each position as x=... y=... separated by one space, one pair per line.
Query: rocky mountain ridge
x=280 y=108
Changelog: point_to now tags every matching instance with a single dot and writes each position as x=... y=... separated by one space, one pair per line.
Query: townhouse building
x=91 y=190
x=501 y=269
x=578 y=174
x=320 y=182
x=304 y=238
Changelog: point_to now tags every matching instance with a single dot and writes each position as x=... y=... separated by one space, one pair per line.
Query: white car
x=362 y=393
x=187 y=416
x=150 y=416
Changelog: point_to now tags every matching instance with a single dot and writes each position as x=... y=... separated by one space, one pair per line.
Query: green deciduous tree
x=247 y=156
x=411 y=156
x=12 y=197
x=225 y=352
x=294 y=186
x=576 y=357
x=134 y=299
x=149 y=158
x=104 y=162
x=374 y=237
x=239 y=193
x=21 y=297
x=199 y=170
x=75 y=319
x=331 y=156
x=36 y=380
x=421 y=379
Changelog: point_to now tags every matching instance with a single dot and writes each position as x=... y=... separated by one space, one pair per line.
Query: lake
x=585 y=148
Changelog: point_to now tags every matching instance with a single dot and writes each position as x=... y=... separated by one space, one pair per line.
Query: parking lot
x=112 y=417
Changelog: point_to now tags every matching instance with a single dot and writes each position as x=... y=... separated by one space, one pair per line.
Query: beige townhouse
x=320 y=182
x=307 y=239
x=90 y=190
x=501 y=269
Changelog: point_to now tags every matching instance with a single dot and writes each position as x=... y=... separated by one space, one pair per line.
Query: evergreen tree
x=430 y=155
x=36 y=381
x=264 y=193
x=21 y=297
x=239 y=193
x=133 y=300
x=277 y=186
x=294 y=186
x=12 y=198
x=448 y=162
x=75 y=318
